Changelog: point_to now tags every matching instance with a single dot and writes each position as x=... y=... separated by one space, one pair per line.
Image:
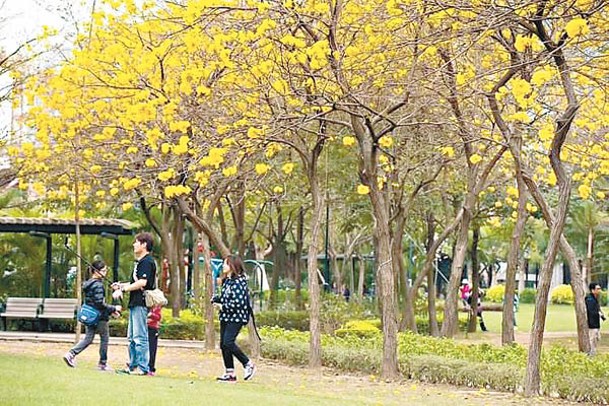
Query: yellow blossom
x=448 y=151
x=363 y=189
x=287 y=168
x=386 y=141
x=475 y=159
x=512 y=191
x=584 y=191
x=230 y=171
x=261 y=168
x=348 y=141
x=577 y=27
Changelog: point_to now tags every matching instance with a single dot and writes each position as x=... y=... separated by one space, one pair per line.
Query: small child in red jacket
x=154 y=322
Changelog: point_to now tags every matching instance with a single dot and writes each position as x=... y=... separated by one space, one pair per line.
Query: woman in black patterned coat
x=235 y=310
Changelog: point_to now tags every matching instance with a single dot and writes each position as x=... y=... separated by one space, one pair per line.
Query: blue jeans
x=137 y=334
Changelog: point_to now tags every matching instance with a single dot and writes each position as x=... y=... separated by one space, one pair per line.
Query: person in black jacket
x=594 y=313
x=235 y=311
x=95 y=296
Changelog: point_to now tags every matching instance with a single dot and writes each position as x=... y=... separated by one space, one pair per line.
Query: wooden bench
x=21 y=308
x=53 y=308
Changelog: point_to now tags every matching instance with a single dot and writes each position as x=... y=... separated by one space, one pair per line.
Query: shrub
x=562 y=294
x=293 y=320
x=435 y=369
x=495 y=293
x=423 y=322
x=567 y=374
x=602 y=298
x=528 y=295
x=359 y=328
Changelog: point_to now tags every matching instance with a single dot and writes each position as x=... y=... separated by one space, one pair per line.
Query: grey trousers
x=102 y=329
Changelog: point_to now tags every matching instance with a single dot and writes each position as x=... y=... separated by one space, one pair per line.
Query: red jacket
x=154 y=317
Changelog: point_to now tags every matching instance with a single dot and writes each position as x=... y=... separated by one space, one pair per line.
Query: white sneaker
x=69 y=359
x=250 y=370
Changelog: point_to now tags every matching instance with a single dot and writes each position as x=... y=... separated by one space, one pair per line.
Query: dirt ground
x=190 y=363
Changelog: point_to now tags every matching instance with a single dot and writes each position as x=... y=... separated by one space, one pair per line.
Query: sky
x=22 y=20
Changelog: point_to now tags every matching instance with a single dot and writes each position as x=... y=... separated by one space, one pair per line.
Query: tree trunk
x=400 y=274
x=533 y=376
x=361 y=276
x=473 y=320
x=449 y=326
x=177 y=238
x=507 y=326
x=563 y=124
x=208 y=309
x=434 y=331
x=314 y=291
x=386 y=295
x=169 y=253
x=298 y=263
x=522 y=274
x=589 y=255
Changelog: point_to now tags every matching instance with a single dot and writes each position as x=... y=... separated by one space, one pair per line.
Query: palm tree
x=582 y=226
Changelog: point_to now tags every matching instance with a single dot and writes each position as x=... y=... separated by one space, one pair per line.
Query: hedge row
x=502 y=376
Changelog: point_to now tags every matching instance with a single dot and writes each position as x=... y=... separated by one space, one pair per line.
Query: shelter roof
x=65 y=226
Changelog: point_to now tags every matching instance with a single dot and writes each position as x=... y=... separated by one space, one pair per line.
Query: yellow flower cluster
x=176 y=190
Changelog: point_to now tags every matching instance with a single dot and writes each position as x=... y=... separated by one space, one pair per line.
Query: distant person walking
x=594 y=313
x=235 y=311
x=465 y=291
x=94 y=296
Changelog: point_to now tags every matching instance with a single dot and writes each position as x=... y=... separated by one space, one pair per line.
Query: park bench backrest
x=22 y=306
x=53 y=308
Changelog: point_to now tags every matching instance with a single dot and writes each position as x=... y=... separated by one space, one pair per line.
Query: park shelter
x=45 y=227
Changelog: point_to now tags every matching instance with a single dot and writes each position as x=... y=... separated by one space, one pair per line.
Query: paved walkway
x=69 y=338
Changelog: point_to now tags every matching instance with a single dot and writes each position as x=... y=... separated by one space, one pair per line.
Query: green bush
x=434 y=369
x=602 y=299
x=528 y=295
x=495 y=293
x=567 y=374
x=562 y=294
x=423 y=322
x=292 y=320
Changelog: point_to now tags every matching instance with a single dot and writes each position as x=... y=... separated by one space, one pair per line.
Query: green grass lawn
x=29 y=380
x=559 y=318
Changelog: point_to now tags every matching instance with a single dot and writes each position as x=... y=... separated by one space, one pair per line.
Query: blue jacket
x=235 y=301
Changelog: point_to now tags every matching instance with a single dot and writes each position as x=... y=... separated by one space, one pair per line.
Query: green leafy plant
x=528 y=295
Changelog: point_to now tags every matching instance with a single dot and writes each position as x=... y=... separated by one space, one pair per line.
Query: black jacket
x=95 y=296
x=593 y=311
